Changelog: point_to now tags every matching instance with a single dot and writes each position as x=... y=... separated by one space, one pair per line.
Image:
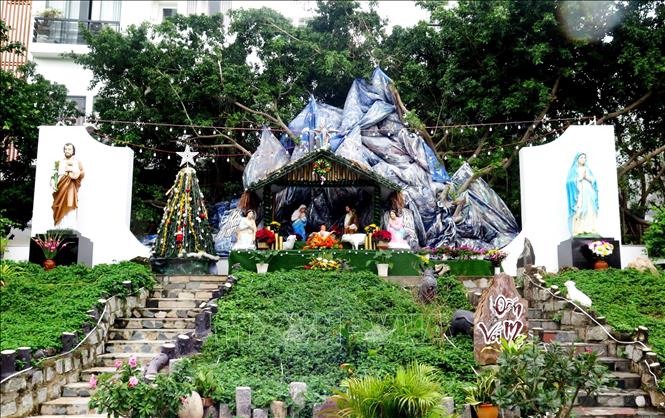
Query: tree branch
x=626 y=109
x=277 y=120
x=479 y=148
x=476 y=175
x=622 y=170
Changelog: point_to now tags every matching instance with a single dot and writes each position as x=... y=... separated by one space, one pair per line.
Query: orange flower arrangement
x=316 y=241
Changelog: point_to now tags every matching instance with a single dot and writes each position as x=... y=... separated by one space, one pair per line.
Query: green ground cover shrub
x=628 y=298
x=36 y=306
x=321 y=328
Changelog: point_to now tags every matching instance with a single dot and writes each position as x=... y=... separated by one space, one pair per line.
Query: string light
x=157 y=128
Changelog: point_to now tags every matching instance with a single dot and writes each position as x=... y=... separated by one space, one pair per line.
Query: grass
x=627 y=298
x=37 y=306
x=320 y=328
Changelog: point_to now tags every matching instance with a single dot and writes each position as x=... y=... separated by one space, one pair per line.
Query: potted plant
x=51 y=244
x=495 y=257
x=600 y=250
x=262 y=259
x=382 y=239
x=264 y=238
x=480 y=395
x=382 y=261
x=204 y=382
x=43 y=22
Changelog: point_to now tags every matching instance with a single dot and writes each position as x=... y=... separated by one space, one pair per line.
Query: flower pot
x=382 y=270
x=486 y=410
x=207 y=402
x=382 y=245
x=262 y=245
x=262 y=268
x=48 y=264
x=600 y=264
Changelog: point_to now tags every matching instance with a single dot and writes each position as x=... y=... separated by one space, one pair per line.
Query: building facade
x=56 y=31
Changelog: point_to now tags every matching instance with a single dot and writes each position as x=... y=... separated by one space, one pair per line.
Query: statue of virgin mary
x=582 y=192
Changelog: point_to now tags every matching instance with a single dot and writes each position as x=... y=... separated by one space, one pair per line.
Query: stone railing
x=22 y=392
x=590 y=327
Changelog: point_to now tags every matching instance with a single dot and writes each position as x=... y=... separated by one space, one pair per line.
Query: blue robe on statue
x=582 y=191
x=299 y=222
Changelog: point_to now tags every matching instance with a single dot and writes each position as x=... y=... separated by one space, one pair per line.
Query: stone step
x=581 y=347
x=80 y=389
x=616 y=412
x=560 y=336
x=615 y=364
x=544 y=323
x=174 y=280
x=155 y=323
x=147 y=313
x=135 y=346
x=616 y=397
x=147 y=333
x=174 y=303
x=108 y=359
x=626 y=380
x=66 y=406
x=190 y=287
x=182 y=294
x=86 y=373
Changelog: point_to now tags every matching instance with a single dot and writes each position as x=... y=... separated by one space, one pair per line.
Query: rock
x=461 y=323
x=244 y=402
x=501 y=313
x=192 y=408
x=528 y=257
x=428 y=289
x=161 y=314
x=448 y=405
x=326 y=409
x=210 y=412
x=278 y=409
x=642 y=263
x=259 y=413
x=297 y=391
x=225 y=411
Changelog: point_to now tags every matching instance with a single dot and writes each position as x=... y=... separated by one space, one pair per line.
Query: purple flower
x=133 y=381
x=118 y=364
x=132 y=362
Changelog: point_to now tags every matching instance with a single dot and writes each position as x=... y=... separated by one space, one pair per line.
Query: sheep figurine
x=576 y=295
x=290 y=241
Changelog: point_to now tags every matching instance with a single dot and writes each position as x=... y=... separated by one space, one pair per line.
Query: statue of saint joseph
x=65 y=183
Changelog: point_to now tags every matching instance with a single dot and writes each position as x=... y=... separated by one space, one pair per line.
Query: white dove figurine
x=576 y=295
x=288 y=244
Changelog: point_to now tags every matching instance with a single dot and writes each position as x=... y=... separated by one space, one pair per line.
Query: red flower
x=307 y=267
x=202 y=216
x=382 y=235
x=265 y=235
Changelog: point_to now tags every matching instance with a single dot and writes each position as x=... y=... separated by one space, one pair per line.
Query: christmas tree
x=184 y=230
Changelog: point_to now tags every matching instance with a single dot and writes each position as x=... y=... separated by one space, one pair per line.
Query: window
x=168 y=12
x=79 y=102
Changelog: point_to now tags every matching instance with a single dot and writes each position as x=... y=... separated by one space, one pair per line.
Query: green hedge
x=283 y=327
x=628 y=298
x=37 y=306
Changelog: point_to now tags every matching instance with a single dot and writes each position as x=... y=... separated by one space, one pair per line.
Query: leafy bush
x=627 y=298
x=413 y=392
x=317 y=328
x=36 y=306
x=654 y=237
x=544 y=380
x=126 y=394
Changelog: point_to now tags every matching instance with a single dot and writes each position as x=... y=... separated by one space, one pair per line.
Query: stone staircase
x=169 y=312
x=554 y=320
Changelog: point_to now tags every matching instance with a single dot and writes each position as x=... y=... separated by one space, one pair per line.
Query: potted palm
x=480 y=395
x=204 y=382
x=382 y=261
x=262 y=259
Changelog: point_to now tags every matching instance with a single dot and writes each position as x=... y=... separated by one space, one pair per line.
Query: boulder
x=642 y=263
x=192 y=407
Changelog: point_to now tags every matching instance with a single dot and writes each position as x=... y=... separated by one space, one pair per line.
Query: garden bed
x=404 y=262
x=627 y=298
x=37 y=306
x=317 y=328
